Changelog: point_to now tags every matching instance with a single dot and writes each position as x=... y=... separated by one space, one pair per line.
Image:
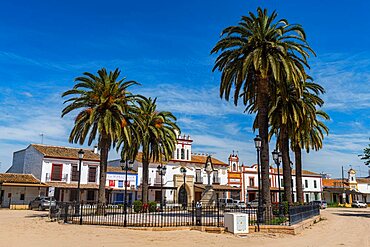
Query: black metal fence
x=174 y=215
x=303 y=212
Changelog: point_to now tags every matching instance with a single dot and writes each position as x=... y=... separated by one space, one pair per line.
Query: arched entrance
x=183 y=196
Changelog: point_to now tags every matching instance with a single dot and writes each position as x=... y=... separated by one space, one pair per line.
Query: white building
x=115 y=184
x=175 y=187
x=19 y=189
x=58 y=167
x=246 y=177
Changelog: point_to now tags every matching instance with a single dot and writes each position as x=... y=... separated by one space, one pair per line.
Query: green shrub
x=152 y=206
x=138 y=206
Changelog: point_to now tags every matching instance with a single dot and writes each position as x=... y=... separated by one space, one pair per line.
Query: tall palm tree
x=252 y=55
x=105 y=106
x=155 y=132
x=309 y=136
x=309 y=132
x=290 y=112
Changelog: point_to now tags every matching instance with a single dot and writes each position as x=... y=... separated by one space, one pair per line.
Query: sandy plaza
x=343 y=227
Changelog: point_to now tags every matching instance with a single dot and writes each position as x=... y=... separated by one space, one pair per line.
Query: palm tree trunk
x=145 y=183
x=287 y=176
x=298 y=173
x=104 y=149
x=262 y=122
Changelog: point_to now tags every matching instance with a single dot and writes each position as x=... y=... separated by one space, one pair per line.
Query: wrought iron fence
x=302 y=212
x=175 y=215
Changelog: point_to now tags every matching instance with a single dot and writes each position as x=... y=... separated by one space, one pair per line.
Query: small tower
x=234 y=163
x=352 y=178
x=183 y=148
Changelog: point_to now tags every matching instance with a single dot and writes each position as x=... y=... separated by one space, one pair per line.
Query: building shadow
x=363 y=214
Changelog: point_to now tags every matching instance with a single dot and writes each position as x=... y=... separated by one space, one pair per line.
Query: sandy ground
x=343 y=227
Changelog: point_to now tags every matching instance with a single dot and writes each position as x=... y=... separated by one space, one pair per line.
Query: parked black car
x=42 y=203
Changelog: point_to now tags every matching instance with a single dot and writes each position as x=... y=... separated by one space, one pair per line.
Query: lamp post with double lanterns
x=277 y=157
x=258 y=144
x=126 y=165
x=183 y=171
x=161 y=169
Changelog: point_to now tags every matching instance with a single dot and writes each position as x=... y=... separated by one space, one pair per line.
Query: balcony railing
x=50 y=178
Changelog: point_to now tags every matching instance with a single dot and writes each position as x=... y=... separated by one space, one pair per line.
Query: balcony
x=216 y=180
x=53 y=178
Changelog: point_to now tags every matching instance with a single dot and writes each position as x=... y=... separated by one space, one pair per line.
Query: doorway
x=183 y=196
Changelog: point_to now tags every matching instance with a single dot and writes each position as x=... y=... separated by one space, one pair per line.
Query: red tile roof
x=18 y=178
x=65 y=152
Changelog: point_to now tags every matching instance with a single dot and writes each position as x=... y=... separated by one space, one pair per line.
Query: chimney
x=96 y=149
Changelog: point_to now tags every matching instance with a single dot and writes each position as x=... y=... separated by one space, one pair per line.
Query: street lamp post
x=162 y=172
x=277 y=156
x=126 y=165
x=80 y=157
x=258 y=144
x=183 y=171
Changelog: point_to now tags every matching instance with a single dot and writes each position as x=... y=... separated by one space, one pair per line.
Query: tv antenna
x=42 y=137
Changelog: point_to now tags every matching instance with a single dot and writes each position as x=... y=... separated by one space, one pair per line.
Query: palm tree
x=155 y=132
x=291 y=112
x=309 y=132
x=105 y=107
x=252 y=55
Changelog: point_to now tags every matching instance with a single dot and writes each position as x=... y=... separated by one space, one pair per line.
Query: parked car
x=321 y=203
x=359 y=204
x=42 y=203
x=253 y=204
x=239 y=204
x=226 y=202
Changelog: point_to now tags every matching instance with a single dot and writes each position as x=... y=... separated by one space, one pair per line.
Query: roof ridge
x=56 y=146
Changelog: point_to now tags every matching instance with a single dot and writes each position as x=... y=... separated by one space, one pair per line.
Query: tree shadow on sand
x=37 y=215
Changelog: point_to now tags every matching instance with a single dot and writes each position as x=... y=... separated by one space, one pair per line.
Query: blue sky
x=165 y=46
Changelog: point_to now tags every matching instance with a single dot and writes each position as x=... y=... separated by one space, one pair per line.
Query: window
x=215 y=177
x=73 y=195
x=270 y=182
x=316 y=195
x=91 y=195
x=187 y=155
x=22 y=197
x=234 y=167
x=177 y=154
x=74 y=173
x=182 y=153
x=307 y=197
x=92 y=174
x=315 y=185
x=120 y=183
x=306 y=183
x=352 y=179
x=282 y=182
x=56 y=172
x=292 y=183
x=198 y=176
x=251 y=182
